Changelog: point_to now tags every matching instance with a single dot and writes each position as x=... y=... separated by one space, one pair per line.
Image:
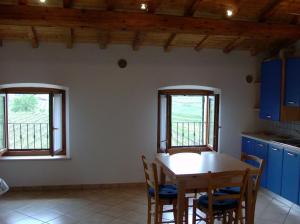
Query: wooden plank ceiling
x=255 y=26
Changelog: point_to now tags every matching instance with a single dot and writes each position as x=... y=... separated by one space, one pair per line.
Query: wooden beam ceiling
x=33 y=37
x=67 y=3
x=269 y=10
x=110 y=5
x=138 y=40
x=234 y=44
x=198 y=47
x=22 y=2
x=169 y=42
x=145 y=22
x=69 y=38
x=1 y=43
x=154 y=5
x=192 y=7
x=104 y=39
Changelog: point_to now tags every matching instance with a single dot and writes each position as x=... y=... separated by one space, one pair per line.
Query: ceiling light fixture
x=229 y=12
x=42 y=1
x=144 y=6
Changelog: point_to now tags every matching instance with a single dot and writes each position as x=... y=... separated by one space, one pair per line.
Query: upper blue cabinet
x=292 y=82
x=270 y=99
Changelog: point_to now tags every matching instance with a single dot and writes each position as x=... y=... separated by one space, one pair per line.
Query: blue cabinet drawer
x=275 y=159
x=247 y=145
x=290 y=176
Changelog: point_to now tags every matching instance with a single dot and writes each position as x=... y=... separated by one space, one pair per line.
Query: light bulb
x=143 y=6
x=42 y=1
x=229 y=12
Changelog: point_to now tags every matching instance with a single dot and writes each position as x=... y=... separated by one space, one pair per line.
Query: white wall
x=113 y=111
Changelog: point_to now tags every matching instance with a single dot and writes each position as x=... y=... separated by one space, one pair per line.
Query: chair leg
x=175 y=211
x=186 y=213
x=161 y=210
x=149 y=211
x=156 y=213
x=194 y=212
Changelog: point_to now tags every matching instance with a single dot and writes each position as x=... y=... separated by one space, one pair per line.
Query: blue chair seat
x=230 y=190
x=165 y=191
x=218 y=205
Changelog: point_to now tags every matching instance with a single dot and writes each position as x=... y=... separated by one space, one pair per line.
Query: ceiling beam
x=110 y=5
x=69 y=38
x=104 y=39
x=1 y=43
x=192 y=7
x=138 y=40
x=168 y=45
x=33 y=37
x=67 y=3
x=234 y=44
x=145 y=22
x=153 y=5
x=198 y=47
x=21 y=2
x=269 y=10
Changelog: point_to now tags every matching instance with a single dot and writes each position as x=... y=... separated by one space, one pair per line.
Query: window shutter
x=213 y=101
x=162 y=126
x=57 y=123
x=3 y=124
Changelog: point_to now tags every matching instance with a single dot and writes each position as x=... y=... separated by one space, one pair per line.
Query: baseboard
x=77 y=187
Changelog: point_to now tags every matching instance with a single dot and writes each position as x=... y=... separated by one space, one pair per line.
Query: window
x=187 y=118
x=32 y=121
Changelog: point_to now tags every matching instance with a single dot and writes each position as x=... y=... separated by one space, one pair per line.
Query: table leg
x=180 y=201
x=249 y=203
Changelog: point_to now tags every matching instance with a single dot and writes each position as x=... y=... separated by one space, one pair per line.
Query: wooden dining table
x=189 y=171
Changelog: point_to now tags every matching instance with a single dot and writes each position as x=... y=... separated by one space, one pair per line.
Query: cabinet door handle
x=260 y=145
x=269 y=116
x=291 y=102
x=292 y=154
x=274 y=149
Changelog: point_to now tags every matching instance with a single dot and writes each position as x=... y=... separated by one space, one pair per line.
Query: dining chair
x=160 y=195
x=259 y=163
x=218 y=205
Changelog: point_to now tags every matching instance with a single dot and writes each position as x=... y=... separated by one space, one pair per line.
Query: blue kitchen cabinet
x=247 y=146
x=270 y=99
x=292 y=82
x=290 y=175
x=260 y=149
x=274 y=174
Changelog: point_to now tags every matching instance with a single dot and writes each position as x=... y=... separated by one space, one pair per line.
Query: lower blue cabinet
x=290 y=176
x=260 y=149
x=247 y=146
x=275 y=158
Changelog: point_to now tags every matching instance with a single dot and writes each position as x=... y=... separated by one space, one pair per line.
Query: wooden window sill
x=14 y=158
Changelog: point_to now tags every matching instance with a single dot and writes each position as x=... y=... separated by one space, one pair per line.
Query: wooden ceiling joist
x=1 y=43
x=198 y=47
x=22 y=2
x=33 y=37
x=144 y=22
x=234 y=44
x=269 y=10
x=110 y=5
x=168 y=45
x=138 y=40
x=67 y=3
x=104 y=39
x=154 y=5
x=69 y=38
x=192 y=7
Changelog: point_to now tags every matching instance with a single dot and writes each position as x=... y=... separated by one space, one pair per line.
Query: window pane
x=188 y=121
x=57 y=122
x=163 y=123
x=211 y=120
x=2 y=119
x=28 y=121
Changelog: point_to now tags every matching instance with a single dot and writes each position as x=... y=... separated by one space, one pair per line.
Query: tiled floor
x=114 y=206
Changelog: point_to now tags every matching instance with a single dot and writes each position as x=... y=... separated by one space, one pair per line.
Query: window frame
x=188 y=92
x=37 y=152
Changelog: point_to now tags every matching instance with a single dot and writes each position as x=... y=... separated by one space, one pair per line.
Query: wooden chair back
x=224 y=180
x=147 y=172
x=261 y=165
x=172 y=151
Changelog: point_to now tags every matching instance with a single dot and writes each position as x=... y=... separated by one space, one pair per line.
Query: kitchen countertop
x=270 y=139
